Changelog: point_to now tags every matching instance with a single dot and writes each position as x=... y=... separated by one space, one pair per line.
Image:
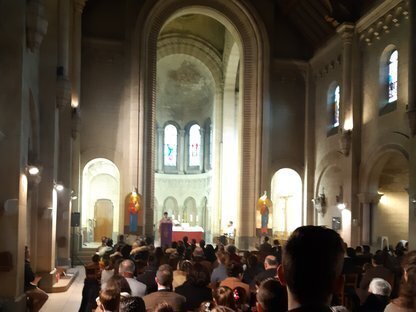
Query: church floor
x=68 y=301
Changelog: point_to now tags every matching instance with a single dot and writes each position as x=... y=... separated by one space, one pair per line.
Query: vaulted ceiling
x=317 y=20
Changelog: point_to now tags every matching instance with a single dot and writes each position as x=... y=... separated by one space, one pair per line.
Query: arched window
x=195 y=146
x=170 y=149
x=335 y=107
x=392 y=77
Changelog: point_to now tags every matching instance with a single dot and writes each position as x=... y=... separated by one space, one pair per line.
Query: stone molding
x=329 y=67
x=369 y=198
x=36 y=24
x=175 y=43
x=382 y=19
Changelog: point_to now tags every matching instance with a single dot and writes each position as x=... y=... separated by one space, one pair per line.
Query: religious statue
x=264 y=205
x=134 y=207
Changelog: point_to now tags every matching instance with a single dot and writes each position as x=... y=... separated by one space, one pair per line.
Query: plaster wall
x=391 y=127
x=287 y=118
x=389 y=218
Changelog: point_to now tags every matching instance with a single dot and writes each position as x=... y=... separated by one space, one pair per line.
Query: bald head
x=270 y=262
x=127 y=268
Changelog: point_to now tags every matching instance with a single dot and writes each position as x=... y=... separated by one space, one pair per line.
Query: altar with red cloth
x=193 y=232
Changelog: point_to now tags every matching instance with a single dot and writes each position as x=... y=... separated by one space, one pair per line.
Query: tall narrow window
x=194 y=146
x=171 y=145
x=335 y=107
x=392 y=77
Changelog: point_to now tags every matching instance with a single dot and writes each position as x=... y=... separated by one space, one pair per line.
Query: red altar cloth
x=178 y=235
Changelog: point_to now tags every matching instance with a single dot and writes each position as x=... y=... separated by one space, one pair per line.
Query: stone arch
x=189 y=210
x=170 y=205
x=241 y=20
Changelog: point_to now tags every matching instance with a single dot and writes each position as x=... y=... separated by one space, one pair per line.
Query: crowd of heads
x=310 y=270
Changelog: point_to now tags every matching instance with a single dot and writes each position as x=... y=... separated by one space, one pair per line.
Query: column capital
x=369 y=198
x=79 y=6
x=346 y=31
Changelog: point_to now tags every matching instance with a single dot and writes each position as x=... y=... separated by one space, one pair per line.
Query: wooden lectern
x=165 y=233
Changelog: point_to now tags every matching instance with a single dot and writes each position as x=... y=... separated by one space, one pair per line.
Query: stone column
x=63 y=100
x=348 y=131
x=411 y=114
x=181 y=151
x=202 y=147
x=367 y=201
x=78 y=7
x=14 y=154
x=160 y=150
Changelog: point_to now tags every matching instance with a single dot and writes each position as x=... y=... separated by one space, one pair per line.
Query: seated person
x=235 y=275
x=379 y=296
x=37 y=297
x=271 y=296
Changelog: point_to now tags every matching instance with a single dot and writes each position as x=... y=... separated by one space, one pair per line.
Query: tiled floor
x=68 y=301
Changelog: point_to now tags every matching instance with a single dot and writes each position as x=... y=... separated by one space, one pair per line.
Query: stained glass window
x=194 y=146
x=171 y=145
x=335 y=109
x=392 y=77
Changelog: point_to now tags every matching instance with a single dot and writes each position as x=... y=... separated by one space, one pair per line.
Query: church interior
x=271 y=114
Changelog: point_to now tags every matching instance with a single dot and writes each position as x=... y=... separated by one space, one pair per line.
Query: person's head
x=127 y=268
x=358 y=250
x=351 y=252
x=193 y=241
x=224 y=296
x=202 y=243
x=230 y=223
x=174 y=245
x=109 y=299
x=378 y=258
x=223 y=257
x=164 y=276
x=366 y=249
x=121 y=238
x=165 y=214
x=270 y=262
x=235 y=270
x=198 y=253
x=407 y=292
x=163 y=307
x=276 y=242
x=266 y=239
x=380 y=287
x=271 y=297
x=231 y=249
x=95 y=258
x=240 y=296
x=109 y=242
x=132 y=304
x=185 y=239
x=312 y=264
x=119 y=282
x=198 y=276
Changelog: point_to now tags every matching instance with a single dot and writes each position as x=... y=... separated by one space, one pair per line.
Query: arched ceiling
x=200 y=26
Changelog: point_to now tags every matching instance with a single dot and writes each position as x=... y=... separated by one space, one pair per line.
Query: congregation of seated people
x=313 y=271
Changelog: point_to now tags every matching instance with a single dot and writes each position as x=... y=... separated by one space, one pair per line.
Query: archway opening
x=390 y=217
x=100 y=210
x=286 y=196
x=197 y=93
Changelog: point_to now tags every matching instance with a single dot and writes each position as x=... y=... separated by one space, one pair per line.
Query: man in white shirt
x=127 y=270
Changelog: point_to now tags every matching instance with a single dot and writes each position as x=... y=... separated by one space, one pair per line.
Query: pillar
x=349 y=131
x=63 y=100
x=160 y=149
x=367 y=201
x=202 y=147
x=411 y=113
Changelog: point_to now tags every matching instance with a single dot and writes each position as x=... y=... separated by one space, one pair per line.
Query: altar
x=193 y=232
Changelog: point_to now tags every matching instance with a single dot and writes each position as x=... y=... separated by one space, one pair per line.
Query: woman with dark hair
x=406 y=301
x=209 y=252
x=224 y=296
x=195 y=289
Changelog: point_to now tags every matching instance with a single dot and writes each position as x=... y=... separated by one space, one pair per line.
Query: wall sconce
x=345 y=141
x=33 y=173
x=73 y=195
x=58 y=186
x=319 y=204
x=413 y=201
